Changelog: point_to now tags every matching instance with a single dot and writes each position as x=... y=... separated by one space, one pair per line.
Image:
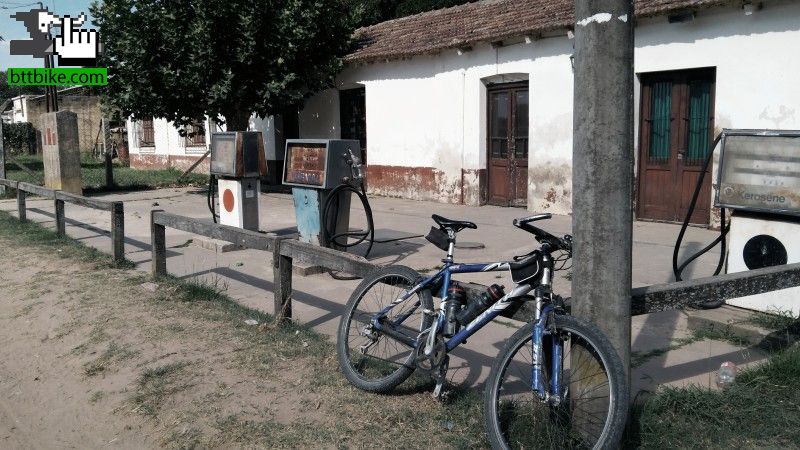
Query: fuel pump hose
x=330 y=214
x=212 y=189
x=678 y=269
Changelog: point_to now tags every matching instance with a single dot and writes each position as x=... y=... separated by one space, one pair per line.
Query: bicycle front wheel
x=370 y=359
x=594 y=394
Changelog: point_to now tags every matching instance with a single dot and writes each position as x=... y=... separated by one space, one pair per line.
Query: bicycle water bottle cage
x=526 y=269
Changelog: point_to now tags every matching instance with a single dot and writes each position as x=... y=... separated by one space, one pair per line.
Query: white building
x=473 y=104
x=19 y=109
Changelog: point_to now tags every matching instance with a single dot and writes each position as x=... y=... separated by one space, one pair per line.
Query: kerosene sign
x=760 y=171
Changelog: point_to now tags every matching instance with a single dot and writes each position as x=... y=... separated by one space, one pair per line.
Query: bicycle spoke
x=578 y=421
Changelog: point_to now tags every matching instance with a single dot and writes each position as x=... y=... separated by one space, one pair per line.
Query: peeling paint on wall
x=550 y=188
x=414 y=183
x=473 y=185
x=778 y=115
x=180 y=162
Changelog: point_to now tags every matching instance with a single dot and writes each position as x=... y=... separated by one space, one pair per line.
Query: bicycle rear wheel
x=595 y=395
x=368 y=358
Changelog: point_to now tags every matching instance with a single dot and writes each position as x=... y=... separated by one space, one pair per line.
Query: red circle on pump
x=227 y=200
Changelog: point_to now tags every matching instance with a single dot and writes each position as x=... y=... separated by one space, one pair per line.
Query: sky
x=11 y=29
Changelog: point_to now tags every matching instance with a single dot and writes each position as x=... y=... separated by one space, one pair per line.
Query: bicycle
x=533 y=393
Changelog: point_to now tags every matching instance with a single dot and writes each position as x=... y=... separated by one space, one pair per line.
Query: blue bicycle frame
x=543 y=311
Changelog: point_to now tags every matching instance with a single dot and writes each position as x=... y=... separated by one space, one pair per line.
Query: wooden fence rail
x=116 y=209
x=644 y=300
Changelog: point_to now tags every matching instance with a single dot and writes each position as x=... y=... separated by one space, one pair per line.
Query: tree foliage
x=184 y=59
x=7 y=91
x=373 y=11
x=19 y=138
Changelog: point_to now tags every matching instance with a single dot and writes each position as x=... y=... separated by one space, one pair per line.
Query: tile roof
x=487 y=20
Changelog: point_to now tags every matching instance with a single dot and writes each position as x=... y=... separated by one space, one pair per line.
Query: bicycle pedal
x=443 y=395
x=438 y=392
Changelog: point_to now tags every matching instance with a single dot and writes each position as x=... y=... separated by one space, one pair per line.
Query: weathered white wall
x=430 y=111
x=19 y=110
x=167 y=140
x=756 y=76
x=169 y=147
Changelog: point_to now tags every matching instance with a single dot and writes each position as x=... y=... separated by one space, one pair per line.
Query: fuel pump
x=759 y=181
x=324 y=173
x=237 y=162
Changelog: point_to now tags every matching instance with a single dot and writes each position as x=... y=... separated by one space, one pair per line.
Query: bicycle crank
x=433 y=360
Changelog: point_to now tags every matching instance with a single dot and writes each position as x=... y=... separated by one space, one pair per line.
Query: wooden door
x=353 y=116
x=675 y=135
x=507 y=144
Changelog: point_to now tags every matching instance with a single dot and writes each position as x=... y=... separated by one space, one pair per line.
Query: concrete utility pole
x=602 y=168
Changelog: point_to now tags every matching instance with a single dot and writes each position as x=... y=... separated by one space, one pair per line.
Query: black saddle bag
x=438 y=237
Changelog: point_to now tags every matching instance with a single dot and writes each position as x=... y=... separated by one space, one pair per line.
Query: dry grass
x=183 y=360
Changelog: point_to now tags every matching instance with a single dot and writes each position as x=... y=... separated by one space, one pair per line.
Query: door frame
x=510 y=87
x=643 y=142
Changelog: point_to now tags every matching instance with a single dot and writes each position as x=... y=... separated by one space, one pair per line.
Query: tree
x=7 y=91
x=185 y=59
x=370 y=12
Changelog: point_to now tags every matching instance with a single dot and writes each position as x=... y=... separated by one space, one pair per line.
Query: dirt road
x=92 y=356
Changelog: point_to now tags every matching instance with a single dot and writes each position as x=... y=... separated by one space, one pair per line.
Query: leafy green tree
x=7 y=91
x=370 y=12
x=184 y=59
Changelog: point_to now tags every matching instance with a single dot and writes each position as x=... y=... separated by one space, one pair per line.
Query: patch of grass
x=429 y=269
x=30 y=233
x=724 y=334
x=156 y=384
x=114 y=353
x=776 y=321
x=94 y=178
x=760 y=410
x=96 y=396
x=639 y=358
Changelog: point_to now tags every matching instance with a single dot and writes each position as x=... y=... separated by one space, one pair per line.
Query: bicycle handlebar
x=543 y=236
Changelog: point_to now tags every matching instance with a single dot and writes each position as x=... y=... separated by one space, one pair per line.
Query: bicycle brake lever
x=521 y=257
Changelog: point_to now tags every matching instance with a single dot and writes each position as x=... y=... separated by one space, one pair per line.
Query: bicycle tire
x=395 y=368
x=499 y=429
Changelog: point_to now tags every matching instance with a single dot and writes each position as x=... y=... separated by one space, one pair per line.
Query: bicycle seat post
x=451 y=245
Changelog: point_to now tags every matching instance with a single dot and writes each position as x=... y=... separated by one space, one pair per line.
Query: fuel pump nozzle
x=356 y=166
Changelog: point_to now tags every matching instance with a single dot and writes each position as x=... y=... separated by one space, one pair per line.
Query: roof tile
x=487 y=20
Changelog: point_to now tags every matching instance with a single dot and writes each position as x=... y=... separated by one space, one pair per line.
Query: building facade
x=83 y=101
x=473 y=104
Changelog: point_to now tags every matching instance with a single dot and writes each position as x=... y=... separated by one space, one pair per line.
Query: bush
x=19 y=138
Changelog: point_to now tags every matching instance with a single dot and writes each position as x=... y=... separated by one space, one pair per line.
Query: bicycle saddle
x=455 y=225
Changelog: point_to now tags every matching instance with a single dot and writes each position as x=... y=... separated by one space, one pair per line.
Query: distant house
x=473 y=104
x=156 y=143
x=81 y=100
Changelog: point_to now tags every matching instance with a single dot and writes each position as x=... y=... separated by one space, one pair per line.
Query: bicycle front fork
x=540 y=330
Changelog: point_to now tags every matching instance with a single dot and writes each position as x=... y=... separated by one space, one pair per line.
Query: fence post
x=158 y=267
x=118 y=231
x=61 y=227
x=109 y=165
x=21 y=204
x=282 y=276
